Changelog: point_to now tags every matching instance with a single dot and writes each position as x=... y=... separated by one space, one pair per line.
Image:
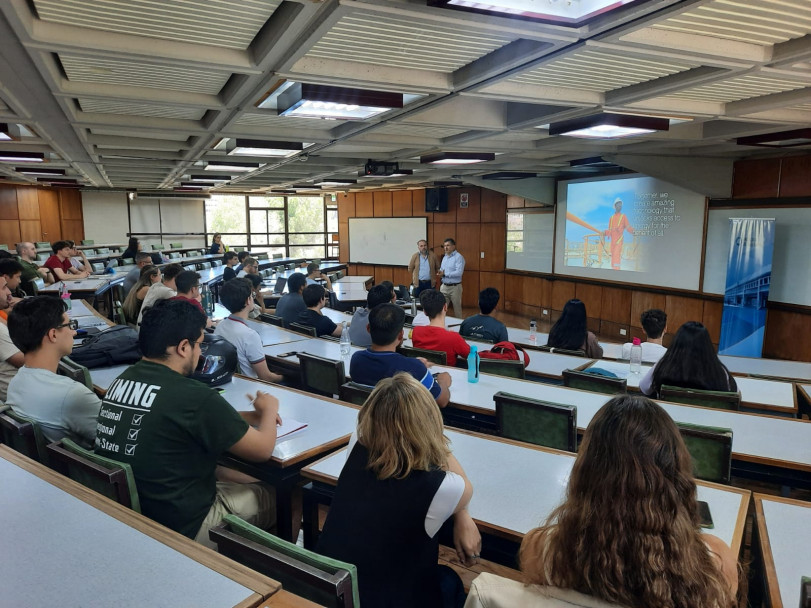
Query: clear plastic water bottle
x=65 y=295
x=473 y=365
x=533 y=331
x=346 y=345
x=636 y=356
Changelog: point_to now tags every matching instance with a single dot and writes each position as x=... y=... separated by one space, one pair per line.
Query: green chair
x=722 y=400
x=108 y=477
x=88 y=242
x=307 y=330
x=320 y=375
x=158 y=247
x=103 y=250
x=126 y=261
x=4 y=247
x=24 y=435
x=97 y=267
x=562 y=351
x=175 y=245
x=68 y=367
x=594 y=383
x=434 y=356
x=805 y=592
x=272 y=319
x=354 y=393
x=500 y=367
x=711 y=451
x=340 y=274
x=552 y=425
x=323 y=580
x=43 y=245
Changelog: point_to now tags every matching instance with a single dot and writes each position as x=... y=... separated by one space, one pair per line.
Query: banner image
x=749 y=273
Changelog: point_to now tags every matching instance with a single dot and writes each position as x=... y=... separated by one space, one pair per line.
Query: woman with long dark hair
x=690 y=362
x=570 y=331
x=627 y=534
x=217 y=246
x=133 y=247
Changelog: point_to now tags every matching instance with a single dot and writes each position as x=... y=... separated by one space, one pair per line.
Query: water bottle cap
x=637 y=342
x=473 y=349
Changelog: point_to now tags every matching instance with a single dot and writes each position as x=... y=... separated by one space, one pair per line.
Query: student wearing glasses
x=41 y=329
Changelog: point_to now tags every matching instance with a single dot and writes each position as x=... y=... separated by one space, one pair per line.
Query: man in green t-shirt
x=31 y=271
x=172 y=430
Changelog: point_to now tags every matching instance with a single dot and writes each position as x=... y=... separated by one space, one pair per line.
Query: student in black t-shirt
x=483 y=326
x=315 y=298
x=230 y=260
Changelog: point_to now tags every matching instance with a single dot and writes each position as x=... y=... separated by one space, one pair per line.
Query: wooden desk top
x=516 y=486
x=74 y=547
x=785 y=538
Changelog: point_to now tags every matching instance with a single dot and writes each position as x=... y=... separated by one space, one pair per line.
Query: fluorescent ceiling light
x=395 y=173
x=570 y=12
x=338 y=103
x=39 y=171
x=609 y=126
x=229 y=165
x=592 y=161
x=21 y=157
x=256 y=147
x=509 y=175
x=457 y=158
x=783 y=139
x=9 y=132
x=198 y=184
x=210 y=178
x=335 y=182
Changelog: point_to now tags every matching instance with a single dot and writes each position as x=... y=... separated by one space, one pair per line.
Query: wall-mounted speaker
x=436 y=199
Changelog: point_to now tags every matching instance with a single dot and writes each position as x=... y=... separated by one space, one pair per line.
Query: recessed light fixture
x=10 y=156
x=796 y=138
x=256 y=147
x=210 y=178
x=591 y=161
x=9 y=132
x=188 y=189
x=43 y=171
x=457 y=158
x=338 y=103
x=509 y=175
x=335 y=182
x=609 y=126
x=229 y=165
x=563 y=12
x=198 y=184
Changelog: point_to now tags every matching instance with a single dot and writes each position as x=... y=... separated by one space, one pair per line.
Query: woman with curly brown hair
x=627 y=533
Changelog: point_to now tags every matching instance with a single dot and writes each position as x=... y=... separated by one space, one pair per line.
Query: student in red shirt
x=434 y=336
x=59 y=263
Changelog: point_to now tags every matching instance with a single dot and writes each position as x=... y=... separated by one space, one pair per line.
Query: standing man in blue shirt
x=450 y=275
x=423 y=268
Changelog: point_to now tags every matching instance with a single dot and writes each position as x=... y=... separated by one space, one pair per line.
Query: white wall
x=105 y=216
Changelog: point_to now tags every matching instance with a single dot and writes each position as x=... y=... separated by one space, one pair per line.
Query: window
x=266 y=215
x=515 y=232
x=225 y=213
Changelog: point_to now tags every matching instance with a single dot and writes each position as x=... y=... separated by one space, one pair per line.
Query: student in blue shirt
x=483 y=326
x=450 y=275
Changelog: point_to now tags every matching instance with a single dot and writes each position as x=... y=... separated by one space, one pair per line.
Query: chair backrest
x=262 y=256
x=594 y=382
x=175 y=245
x=498 y=367
x=75 y=371
x=552 y=425
x=42 y=244
x=323 y=580
x=307 y=330
x=320 y=375
x=354 y=393
x=290 y=266
x=97 y=266
x=23 y=435
x=4 y=247
x=272 y=319
x=126 y=261
x=434 y=356
x=562 y=351
x=158 y=246
x=103 y=250
x=216 y=263
x=88 y=242
x=402 y=293
x=721 y=400
x=90 y=252
x=805 y=592
x=108 y=477
x=711 y=450
x=340 y=274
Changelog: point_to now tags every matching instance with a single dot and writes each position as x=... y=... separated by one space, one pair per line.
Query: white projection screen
x=636 y=230
x=385 y=240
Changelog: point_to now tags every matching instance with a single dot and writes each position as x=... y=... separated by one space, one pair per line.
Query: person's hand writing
x=444 y=379
x=265 y=401
x=466 y=538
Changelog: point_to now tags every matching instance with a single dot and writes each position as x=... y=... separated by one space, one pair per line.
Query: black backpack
x=114 y=346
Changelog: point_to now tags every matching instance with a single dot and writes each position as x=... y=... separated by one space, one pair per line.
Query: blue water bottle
x=473 y=365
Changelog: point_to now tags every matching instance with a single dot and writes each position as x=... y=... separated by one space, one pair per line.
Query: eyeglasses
x=73 y=324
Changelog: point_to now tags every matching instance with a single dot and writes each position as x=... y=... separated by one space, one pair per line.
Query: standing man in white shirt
x=450 y=275
x=423 y=268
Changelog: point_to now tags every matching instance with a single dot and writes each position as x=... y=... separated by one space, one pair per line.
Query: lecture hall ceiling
x=144 y=93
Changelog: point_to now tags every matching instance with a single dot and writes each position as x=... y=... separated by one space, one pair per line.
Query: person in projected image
x=618 y=224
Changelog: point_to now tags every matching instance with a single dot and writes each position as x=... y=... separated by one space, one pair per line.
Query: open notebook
x=289 y=427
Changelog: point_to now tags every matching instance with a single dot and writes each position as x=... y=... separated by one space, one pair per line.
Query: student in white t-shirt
x=654 y=323
x=237 y=296
x=11 y=359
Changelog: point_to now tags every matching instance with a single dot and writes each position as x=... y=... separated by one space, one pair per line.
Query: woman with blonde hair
x=398 y=486
x=135 y=298
x=627 y=533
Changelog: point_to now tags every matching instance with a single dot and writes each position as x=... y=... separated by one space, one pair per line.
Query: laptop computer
x=279 y=287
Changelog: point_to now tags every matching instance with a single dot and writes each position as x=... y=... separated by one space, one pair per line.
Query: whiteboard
x=792 y=251
x=539 y=236
x=385 y=240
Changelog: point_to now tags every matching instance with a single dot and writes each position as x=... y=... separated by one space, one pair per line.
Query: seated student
x=398 y=486
x=142 y=258
x=78 y=259
x=150 y=275
x=42 y=330
x=258 y=299
x=187 y=284
x=237 y=297
x=229 y=260
x=11 y=359
x=249 y=266
x=174 y=431
x=315 y=298
x=381 y=359
x=359 y=328
x=654 y=324
x=292 y=303
x=162 y=290
x=241 y=257
x=434 y=336
x=628 y=534
x=570 y=331
x=59 y=263
x=483 y=326
x=11 y=270
x=690 y=362
x=133 y=247
x=31 y=270
x=315 y=276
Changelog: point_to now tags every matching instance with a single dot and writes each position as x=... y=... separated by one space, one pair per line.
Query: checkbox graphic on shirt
x=136 y=419
x=129 y=449
x=133 y=434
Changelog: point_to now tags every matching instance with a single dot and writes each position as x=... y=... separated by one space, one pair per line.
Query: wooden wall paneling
x=591 y=296
x=493 y=279
x=343 y=242
x=418 y=205
x=70 y=204
x=401 y=205
x=30 y=230
x=400 y=275
x=562 y=292
x=346 y=206
x=616 y=305
x=382 y=203
x=795 y=176
x=642 y=301
x=759 y=178
x=366 y=270
x=453 y=205
x=72 y=230
x=711 y=318
x=49 y=216
x=439 y=232
x=383 y=273
x=784 y=336
x=470 y=291
x=513 y=291
x=681 y=309
x=10 y=233
x=8 y=204
x=364 y=204
x=28 y=204
x=494 y=243
x=468 y=242
x=471 y=213
x=494 y=206
x=611 y=330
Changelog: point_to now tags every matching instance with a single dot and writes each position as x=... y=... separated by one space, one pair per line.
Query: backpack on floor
x=114 y=346
x=506 y=351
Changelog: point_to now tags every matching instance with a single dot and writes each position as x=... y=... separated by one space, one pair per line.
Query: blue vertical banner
x=749 y=275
